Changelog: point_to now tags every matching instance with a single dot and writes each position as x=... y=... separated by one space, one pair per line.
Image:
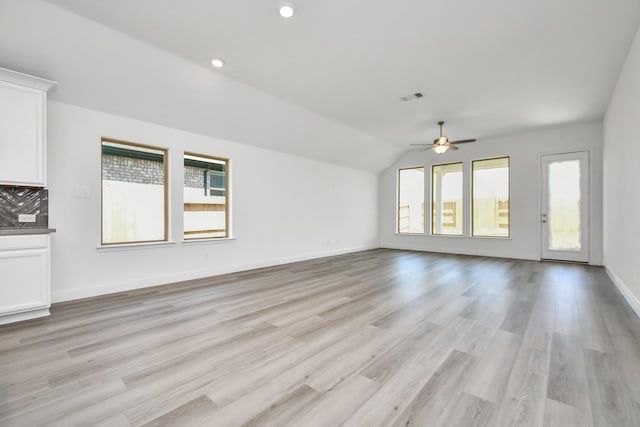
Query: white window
x=206 y=207
x=134 y=193
x=490 y=204
x=411 y=200
x=446 y=198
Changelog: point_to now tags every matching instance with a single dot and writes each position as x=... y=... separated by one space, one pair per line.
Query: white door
x=565 y=207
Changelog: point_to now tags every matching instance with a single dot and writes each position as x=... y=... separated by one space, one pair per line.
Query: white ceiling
x=99 y=68
x=489 y=68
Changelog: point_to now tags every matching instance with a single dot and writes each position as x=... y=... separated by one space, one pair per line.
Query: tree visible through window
x=134 y=199
x=205 y=197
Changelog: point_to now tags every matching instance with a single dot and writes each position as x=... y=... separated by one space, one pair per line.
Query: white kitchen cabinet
x=24 y=277
x=23 y=116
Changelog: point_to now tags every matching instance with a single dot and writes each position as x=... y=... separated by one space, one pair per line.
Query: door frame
x=585 y=213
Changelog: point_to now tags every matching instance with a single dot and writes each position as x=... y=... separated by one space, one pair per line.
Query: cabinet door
x=22 y=137
x=24 y=283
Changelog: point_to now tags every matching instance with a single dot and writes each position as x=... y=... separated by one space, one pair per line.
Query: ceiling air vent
x=412 y=97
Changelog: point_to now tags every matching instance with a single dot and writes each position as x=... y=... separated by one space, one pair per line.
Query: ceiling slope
x=487 y=67
x=99 y=68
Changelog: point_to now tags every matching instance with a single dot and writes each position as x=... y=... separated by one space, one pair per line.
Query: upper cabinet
x=23 y=131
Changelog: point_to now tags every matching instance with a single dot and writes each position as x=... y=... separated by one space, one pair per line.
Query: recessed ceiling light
x=217 y=62
x=286 y=10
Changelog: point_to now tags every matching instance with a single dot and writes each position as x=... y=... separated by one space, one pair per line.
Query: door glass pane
x=447 y=199
x=411 y=200
x=564 y=205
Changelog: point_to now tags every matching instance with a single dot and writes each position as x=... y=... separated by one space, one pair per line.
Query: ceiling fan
x=442 y=144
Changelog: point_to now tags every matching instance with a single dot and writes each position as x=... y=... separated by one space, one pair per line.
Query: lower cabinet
x=25 y=278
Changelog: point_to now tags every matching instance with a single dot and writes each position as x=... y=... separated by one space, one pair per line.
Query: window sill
x=209 y=240
x=455 y=236
x=133 y=246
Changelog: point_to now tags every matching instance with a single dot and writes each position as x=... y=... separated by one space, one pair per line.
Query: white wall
x=622 y=178
x=525 y=151
x=284 y=208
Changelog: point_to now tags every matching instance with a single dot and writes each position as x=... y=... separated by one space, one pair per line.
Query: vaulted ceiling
x=487 y=68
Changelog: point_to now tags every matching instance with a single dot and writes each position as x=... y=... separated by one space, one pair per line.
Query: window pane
x=491 y=197
x=133 y=193
x=564 y=205
x=205 y=197
x=447 y=199
x=411 y=200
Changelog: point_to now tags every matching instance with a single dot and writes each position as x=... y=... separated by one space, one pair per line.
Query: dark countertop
x=25 y=231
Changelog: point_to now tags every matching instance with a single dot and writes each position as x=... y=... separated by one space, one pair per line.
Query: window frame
x=165 y=192
x=227 y=174
x=480 y=236
x=398 y=201
x=432 y=231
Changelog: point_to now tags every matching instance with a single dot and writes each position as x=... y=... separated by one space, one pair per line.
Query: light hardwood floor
x=375 y=338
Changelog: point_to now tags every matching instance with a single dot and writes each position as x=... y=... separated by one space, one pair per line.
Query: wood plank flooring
x=374 y=338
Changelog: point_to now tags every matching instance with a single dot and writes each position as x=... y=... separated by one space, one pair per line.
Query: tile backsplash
x=16 y=201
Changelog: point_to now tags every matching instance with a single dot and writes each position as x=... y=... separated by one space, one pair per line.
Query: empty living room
x=319 y=213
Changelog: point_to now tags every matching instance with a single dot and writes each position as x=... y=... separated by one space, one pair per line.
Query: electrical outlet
x=27 y=218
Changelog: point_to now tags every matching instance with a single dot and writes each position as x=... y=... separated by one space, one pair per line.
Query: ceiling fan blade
x=453 y=147
x=425 y=149
x=462 y=141
x=422 y=144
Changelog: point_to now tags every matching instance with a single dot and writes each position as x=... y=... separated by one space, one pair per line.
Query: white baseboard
x=496 y=254
x=633 y=301
x=109 y=288
x=25 y=315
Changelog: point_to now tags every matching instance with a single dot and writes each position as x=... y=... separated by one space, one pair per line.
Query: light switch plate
x=26 y=218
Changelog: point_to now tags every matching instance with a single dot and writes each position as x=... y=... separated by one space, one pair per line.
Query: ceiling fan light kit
x=440 y=149
x=442 y=144
x=286 y=10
